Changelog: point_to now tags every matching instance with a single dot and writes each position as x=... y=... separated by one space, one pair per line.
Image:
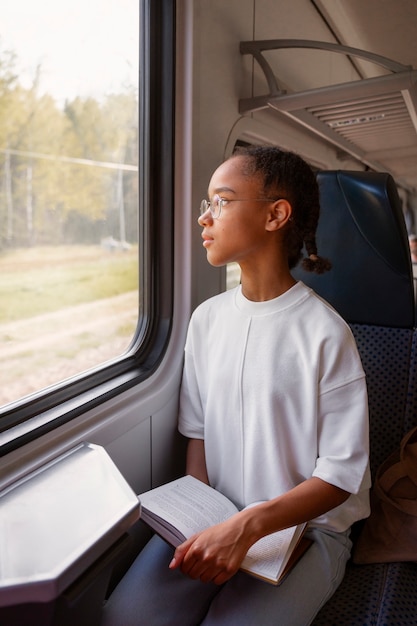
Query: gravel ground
x=46 y=349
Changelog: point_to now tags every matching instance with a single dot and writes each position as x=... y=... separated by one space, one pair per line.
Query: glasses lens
x=216 y=206
x=204 y=206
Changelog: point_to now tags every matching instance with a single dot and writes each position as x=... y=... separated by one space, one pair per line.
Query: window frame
x=68 y=400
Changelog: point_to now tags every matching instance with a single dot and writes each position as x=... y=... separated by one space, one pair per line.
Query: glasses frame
x=206 y=205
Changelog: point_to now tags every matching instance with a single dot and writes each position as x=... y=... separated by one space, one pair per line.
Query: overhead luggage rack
x=374 y=120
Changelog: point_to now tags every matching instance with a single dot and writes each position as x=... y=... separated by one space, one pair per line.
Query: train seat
x=362 y=231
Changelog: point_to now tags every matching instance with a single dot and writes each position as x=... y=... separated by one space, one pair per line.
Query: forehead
x=232 y=176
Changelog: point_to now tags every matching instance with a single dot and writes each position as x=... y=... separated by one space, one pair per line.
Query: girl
x=274 y=406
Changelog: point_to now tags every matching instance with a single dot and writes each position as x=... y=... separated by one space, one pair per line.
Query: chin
x=216 y=262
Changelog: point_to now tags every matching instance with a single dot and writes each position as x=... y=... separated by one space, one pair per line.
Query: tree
x=60 y=164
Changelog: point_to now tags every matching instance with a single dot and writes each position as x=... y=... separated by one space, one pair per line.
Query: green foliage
x=55 y=163
x=43 y=280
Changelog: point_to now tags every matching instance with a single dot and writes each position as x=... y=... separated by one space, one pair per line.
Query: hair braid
x=287 y=175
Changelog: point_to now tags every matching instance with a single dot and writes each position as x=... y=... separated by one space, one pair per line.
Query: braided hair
x=286 y=175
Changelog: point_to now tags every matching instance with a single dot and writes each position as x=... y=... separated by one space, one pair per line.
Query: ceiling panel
x=373 y=119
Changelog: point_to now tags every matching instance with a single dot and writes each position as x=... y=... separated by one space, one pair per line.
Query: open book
x=183 y=507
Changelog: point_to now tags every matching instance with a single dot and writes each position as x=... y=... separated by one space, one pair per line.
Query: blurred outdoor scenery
x=68 y=189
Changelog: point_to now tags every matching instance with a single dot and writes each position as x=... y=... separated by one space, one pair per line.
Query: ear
x=278 y=215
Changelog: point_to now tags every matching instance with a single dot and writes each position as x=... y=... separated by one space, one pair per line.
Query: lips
x=207 y=240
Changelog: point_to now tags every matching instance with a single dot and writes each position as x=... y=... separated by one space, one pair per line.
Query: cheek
x=237 y=241
x=246 y=232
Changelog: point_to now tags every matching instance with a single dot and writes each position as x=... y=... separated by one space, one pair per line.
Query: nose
x=205 y=217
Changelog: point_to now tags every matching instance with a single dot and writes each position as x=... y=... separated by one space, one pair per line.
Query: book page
x=268 y=556
x=187 y=504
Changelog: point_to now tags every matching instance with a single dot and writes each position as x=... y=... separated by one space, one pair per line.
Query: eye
x=217 y=199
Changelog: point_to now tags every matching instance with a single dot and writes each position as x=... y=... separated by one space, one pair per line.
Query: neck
x=261 y=290
x=265 y=273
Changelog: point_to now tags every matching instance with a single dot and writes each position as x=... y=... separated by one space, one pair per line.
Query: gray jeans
x=152 y=595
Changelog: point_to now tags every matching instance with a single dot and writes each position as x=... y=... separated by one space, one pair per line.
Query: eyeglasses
x=215 y=206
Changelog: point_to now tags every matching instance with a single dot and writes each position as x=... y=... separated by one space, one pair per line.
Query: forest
x=68 y=175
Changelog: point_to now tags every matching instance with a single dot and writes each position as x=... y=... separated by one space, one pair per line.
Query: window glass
x=68 y=189
x=232 y=275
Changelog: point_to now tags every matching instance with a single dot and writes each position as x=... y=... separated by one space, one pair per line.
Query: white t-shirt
x=277 y=391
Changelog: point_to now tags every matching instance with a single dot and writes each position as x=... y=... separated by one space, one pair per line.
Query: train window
x=232 y=275
x=76 y=141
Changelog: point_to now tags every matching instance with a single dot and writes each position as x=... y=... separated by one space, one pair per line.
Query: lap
x=245 y=601
x=154 y=595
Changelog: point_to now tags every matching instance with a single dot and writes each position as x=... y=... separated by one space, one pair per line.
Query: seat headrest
x=362 y=231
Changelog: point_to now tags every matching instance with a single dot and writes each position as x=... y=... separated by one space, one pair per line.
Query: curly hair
x=287 y=175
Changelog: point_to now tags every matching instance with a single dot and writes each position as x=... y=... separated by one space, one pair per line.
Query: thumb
x=178 y=557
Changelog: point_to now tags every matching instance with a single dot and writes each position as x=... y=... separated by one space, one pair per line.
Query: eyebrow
x=220 y=190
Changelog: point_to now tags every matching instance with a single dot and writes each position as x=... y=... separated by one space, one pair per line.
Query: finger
x=177 y=559
x=181 y=552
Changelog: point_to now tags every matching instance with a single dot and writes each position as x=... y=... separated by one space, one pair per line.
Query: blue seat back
x=362 y=231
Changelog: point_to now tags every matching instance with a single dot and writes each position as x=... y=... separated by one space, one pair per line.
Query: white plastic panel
x=58 y=520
